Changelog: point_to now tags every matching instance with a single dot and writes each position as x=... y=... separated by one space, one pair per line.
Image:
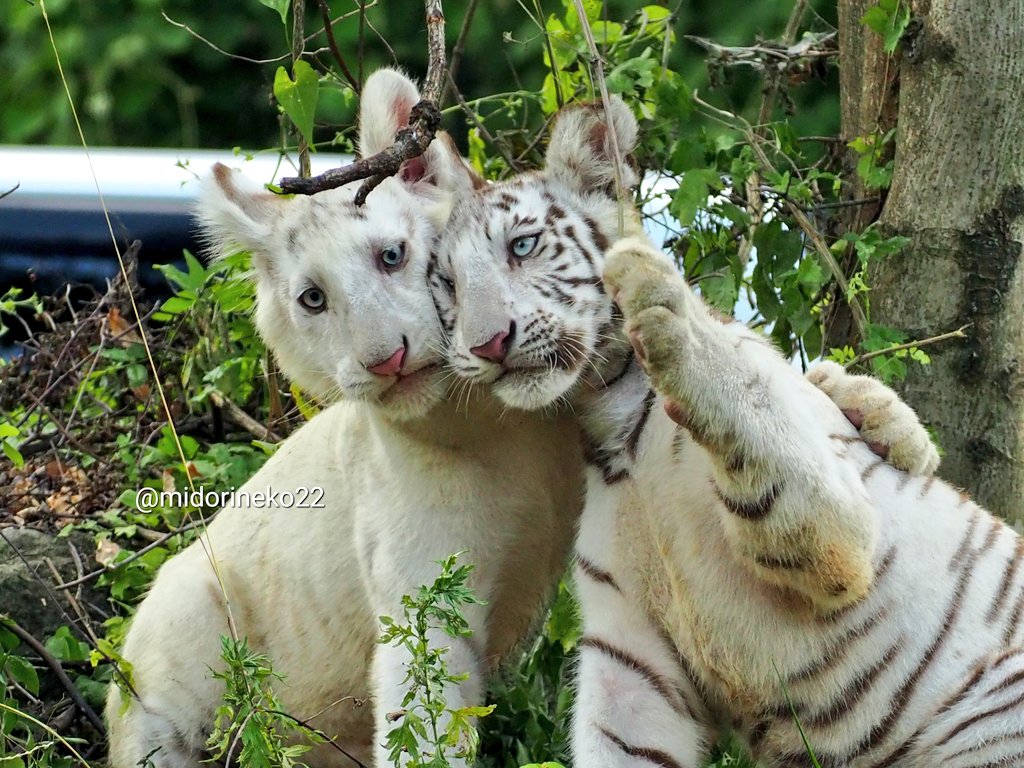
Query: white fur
x=408 y=477
x=758 y=542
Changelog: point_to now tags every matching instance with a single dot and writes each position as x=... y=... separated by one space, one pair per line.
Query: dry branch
x=410 y=142
x=69 y=687
x=325 y=15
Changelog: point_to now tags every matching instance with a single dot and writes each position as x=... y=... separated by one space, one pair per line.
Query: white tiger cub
x=741 y=547
x=407 y=478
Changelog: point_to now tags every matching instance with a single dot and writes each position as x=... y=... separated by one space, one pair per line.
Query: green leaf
x=889 y=19
x=654 y=13
x=24 y=673
x=692 y=194
x=721 y=291
x=297 y=95
x=13 y=454
x=281 y=6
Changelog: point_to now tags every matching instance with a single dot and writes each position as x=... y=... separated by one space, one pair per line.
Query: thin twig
x=135 y=555
x=488 y=137
x=460 y=42
x=305 y=724
x=959 y=333
x=325 y=15
x=362 y=38
x=298 y=46
x=597 y=75
x=412 y=141
x=216 y=47
x=238 y=57
x=244 y=420
x=83 y=618
x=10 y=191
x=40 y=650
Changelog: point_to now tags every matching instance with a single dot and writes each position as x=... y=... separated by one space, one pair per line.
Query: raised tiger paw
x=885 y=422
x=657 y=304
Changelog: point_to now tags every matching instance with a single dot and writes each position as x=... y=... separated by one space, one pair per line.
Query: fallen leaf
x=106 y=551
x=120 y=330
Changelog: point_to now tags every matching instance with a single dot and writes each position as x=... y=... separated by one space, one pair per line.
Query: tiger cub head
x=517 y=273
x=340 y=297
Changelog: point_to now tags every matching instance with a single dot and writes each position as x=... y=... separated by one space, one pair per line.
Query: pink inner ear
x=413 y=170
x=401 y=109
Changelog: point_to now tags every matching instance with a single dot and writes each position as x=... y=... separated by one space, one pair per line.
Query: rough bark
x=958 y=194
x=869 y=93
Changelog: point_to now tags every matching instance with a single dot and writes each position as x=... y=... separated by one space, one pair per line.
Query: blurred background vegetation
x=140 y=80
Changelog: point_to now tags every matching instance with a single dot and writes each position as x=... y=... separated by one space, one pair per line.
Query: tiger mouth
x=406 y=381
x=531 y=372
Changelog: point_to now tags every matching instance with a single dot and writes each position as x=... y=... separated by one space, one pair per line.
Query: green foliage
x=250 y=725
x=297 y=96
x=533 y=698
x=427 y=732
x=8 y=442
x=889 y=19
x=875 y=163
x=22 y=743
x=281 y=6
x=12 y=305
x=630 y=46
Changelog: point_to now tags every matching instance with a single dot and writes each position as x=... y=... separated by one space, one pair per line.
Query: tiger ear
x=384 y=107
x=235 y=212
x=386 y=104
x=580 y=153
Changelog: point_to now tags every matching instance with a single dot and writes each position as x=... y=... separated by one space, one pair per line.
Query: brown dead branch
x=69 y=687
x=411 y=141
x=325 y=15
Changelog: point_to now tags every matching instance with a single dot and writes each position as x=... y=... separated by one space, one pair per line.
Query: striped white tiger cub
x=745 y=561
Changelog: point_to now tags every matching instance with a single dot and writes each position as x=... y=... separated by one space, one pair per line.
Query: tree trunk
x=958 y=194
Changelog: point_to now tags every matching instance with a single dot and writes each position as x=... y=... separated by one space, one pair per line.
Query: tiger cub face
x=517 y=273
x=339 y=288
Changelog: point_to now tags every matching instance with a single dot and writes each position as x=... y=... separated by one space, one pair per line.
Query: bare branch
x=597 y=75
x=460 y=42
x=298 y=48
x=786 y=56
x=468 y=110
x=216 y=47
x=160 y=539
x=412 y=141
x=325 y=14
x=55 y=667
x=10 y=191
x=959 y=333
x=244 y=420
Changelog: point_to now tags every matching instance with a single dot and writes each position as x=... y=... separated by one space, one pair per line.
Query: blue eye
x=523 y=246
x=313 y=300
x=392 y=256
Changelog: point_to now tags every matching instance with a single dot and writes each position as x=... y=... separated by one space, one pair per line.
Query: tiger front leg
x=887 y=424
x=636 y=700
x=793 y=511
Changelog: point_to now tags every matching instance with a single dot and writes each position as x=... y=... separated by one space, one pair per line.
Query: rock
x=39 y=609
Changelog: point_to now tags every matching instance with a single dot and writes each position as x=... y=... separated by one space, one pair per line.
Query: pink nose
x=390 y=367
x=495 y=349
